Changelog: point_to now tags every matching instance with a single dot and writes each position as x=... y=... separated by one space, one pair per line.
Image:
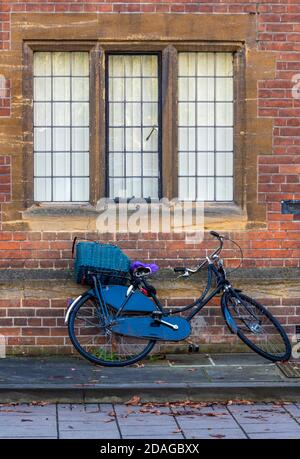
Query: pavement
x=174 y=421
x=192 y=377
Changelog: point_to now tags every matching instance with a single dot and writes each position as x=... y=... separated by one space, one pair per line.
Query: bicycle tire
x=285 y=342
x=104 y=359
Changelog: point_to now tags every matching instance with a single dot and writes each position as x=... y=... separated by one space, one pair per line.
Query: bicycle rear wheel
x=96 y=342
x=256 y=326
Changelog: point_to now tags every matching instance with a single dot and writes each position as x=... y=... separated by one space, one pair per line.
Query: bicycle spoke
x=94 y=336
x=256 y=326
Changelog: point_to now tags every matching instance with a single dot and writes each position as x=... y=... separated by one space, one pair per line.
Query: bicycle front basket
x=107 y=261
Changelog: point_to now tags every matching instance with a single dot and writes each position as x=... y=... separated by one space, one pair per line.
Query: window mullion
x=169 y=168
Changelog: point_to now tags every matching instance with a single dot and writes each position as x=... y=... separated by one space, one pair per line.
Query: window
x=162 y=124
x=205 y=126
x=61 y=126
x=133 y=126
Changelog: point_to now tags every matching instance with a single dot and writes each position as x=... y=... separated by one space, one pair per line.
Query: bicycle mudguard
x=148 y=328
x=230 y=322
x=115 y=296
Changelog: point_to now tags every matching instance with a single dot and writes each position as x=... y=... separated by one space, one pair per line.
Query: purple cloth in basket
x=138 y=264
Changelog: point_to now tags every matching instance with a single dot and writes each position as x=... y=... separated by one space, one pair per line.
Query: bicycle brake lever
x=185 y=274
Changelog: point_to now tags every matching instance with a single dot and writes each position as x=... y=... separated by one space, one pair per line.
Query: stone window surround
x=167 y=34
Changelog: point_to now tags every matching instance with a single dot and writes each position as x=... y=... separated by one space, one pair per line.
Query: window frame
x=159 y=115
x=168 y=64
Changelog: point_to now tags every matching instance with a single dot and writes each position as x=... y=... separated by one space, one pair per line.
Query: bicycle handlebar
x=188 y=271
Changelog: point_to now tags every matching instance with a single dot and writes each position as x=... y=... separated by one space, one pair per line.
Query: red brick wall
x=278 y=30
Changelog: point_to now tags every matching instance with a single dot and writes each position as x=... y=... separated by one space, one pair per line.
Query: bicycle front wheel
x=96 y=342
x=256 y=326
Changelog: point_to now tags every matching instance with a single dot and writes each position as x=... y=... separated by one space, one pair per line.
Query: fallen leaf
x=135 y=400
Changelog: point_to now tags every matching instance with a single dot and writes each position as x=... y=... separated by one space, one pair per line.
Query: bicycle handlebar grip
x=215 y=234
x=179 y=269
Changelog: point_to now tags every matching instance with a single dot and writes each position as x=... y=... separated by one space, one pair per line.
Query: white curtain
x=133 y=113
x=205 y=126
x=61 y=126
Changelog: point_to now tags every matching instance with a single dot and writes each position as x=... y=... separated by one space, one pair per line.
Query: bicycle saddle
x=143 y=269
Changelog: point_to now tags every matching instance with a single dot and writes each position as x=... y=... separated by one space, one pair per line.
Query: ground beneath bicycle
x=193 y=377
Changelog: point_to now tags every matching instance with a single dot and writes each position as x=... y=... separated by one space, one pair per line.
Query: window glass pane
x=61 y=63
x=80 y=89
x=117 y=188
x=187 y=114
x=205 y=64
x=42 y=189
x=224 y=139
x=205 y=189
x=42 y=139
x=42 y=64
x=187 y=188
x=80 y=164
x=224 y=164
x=42 y=89
x=61 y=126
x=205 y=114
x=42 y=114
x=80 y=189
x=133 y=114
x=61 y=139
x=205 y=164
x=150 y=114
x=150 y=164
x=133 y=164
x=116 y=164
x=61 y=114
x=133 y=125
x=61 y=88
x=224 y=64
x=80 y=114
x=133 y=66
x=224 y=189
x=186 y=139
x=187 y=163
x=186 y=89
x=205 y=139
x=205 y=126
x=80 y=139
x=133 y=139
x=42 y=164
x=150 y=186
x=224 y=89
x=132 y=89
x=116 y=139
x=205 y=89
x=224 y=114
x=61 y=189
x=80 y=64
x=116 y=111
x=133 y=187
x=116 y=89
x=61 y=164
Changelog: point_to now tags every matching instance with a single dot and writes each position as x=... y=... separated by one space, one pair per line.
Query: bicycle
x=118 y=325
